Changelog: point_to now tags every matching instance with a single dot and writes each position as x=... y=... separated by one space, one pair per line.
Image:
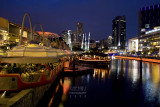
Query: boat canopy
x=33 y=53
x=34 y=50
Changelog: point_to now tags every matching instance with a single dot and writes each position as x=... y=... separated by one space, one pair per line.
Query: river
x=117 y=85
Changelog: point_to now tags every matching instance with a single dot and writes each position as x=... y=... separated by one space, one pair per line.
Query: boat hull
x=14 y=82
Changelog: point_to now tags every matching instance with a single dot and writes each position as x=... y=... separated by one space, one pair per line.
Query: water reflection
x=101 y=74
x=118 y=85
x=151 y=82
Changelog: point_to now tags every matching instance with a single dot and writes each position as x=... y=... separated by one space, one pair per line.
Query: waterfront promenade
x=145 y=59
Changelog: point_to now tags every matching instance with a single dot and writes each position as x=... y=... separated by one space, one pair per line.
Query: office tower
x=119 y=32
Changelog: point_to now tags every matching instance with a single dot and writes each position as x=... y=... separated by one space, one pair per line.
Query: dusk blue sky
x=58 y=15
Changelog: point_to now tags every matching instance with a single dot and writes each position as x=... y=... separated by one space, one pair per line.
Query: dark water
x=119 y=85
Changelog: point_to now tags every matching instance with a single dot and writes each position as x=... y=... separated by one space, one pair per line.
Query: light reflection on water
x=151 y=81
x=101 y=73
x=118 y=85
x=150 y=78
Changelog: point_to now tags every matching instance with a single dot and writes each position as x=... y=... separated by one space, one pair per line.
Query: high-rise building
x=79 y=30
x=119 y=32
x=149 y=28
x=149 y=18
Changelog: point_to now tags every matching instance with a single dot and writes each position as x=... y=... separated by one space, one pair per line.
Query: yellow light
x=156 y=75
x=57 y=88
x=64 y=97
x=61 y=105
x=17 y=40
x=158 y=46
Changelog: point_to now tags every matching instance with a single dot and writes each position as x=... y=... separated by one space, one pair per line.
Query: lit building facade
x=49 y=37
x=149 y=28
x=149 y=40
x=133 y=44
x=106 y=43
x=149 y=17
x=10 y=31
x=109 y=40
x=69 y=37
x=15 y=30
x=119 y=32
x=66 y=34
x=4 y=29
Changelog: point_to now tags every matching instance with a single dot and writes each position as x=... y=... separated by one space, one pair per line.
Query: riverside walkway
x=145 y=59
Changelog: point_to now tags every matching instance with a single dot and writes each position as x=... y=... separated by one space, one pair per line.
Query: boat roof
x=34 y=53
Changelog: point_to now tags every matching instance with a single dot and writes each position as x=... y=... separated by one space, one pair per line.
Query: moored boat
x=97 y=58
x=30 y=66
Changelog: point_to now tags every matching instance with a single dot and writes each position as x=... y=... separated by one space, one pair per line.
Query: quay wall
x=28 y=97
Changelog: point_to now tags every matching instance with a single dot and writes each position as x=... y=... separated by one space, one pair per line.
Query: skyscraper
x=119 y=32
x=79 y=30
x=149 y=17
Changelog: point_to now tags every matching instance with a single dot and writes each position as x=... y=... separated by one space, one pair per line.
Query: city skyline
x=56 y=16
x=80 y=53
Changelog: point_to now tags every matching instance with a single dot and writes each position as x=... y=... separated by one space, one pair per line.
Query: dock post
x=74 y=66
x=140 y=68
x=63 y=73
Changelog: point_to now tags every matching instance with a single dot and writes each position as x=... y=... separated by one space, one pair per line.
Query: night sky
x=58 y=15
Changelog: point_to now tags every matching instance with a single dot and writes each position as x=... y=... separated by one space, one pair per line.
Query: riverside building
x=149 y=28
